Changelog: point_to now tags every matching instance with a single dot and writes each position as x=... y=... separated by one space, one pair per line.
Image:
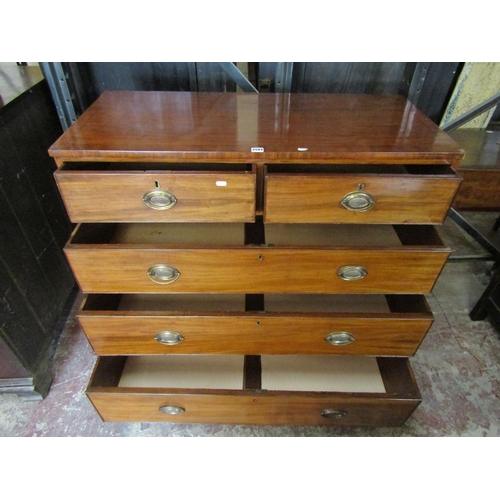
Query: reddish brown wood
x=378 y=134
x=171 y=126
x=103 y=266
x=117 y=196
x=480 y=170
x=398 y=198
x=132 y=331
x=391 y=408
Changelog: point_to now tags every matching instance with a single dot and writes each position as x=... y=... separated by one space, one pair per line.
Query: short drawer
x=354 y=194
x=346 y=391
x=375 y=325
x=225 y=258
x=157 y=192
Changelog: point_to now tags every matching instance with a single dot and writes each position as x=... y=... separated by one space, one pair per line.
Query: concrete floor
x=457 y=369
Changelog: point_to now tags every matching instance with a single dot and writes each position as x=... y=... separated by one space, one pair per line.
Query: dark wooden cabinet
x=35 y=279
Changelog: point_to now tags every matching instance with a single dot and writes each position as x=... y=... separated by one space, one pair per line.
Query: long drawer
x=157 y=192
x=237 y=258
x=374 y=325
x=330 y=390
x=355 y=194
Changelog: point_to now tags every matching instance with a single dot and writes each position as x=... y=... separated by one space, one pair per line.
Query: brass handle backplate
x=163 y=274
x=159 y=199
x=169 y=338
x=340 y=338
x=351 y=273
x=358 y=201
x=331 y=413
x=171 y=409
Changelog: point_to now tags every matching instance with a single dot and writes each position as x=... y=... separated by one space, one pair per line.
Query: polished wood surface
x=118 y=196
x=256 y=271
x=258 y=407
x=399 y=198
x=243 y=324
x=170 y=126
x=411 y=265
x=253 y=409
x=133 y=332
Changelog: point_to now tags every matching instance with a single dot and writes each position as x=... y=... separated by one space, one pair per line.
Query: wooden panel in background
x=480 y=170
x=36 y=279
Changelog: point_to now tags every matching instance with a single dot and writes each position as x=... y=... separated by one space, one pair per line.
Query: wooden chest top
x=173 y=126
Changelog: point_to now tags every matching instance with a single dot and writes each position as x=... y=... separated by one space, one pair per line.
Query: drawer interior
x=229 y=372
x=185 y=234
x=183 y=302
x=330 y=169
x=321 y=373
x=159 y=233
x=382 y=377
x=269 y=303
x=239 y=234
x=331 y=235
x=194 y=371
x=320 y=303
x=164 y=167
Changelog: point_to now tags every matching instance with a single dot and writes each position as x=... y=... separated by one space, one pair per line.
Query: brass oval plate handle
x=169 y=338
x=351 y=273
x=358 y=201
x=331 y=413
x=163 y=274
x=171 y=409
x=159 y=199
x=340 y=338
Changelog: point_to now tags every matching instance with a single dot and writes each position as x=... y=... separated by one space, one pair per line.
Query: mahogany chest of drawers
x=255 y=259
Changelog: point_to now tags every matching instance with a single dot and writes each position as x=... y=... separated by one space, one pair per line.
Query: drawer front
x=158 y=197
x=263 y=270
x=254 y=409
x=355 y=199
x=253 y=334
x=117 y=332
x=251 y=404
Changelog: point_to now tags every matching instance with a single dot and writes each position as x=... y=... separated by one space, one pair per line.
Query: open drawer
x=375 y=325
x=157 y=192
x=253 y=258
x=271 y=390
x=354 y=194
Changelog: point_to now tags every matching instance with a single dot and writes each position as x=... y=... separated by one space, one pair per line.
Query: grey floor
x=457 y=369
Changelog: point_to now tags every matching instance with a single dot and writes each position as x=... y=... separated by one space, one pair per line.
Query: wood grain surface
x=247 y=270
x=170 y=126
x=382 y=142
x=267 y=333
x=249 y=406
x=399 y=199
x=118 y=196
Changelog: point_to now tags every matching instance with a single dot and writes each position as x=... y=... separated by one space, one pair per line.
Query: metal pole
x=471 y=231
x=54 y=74
x=238 y=77
x=472 y=113
x=417 y=82
x=283 y=79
